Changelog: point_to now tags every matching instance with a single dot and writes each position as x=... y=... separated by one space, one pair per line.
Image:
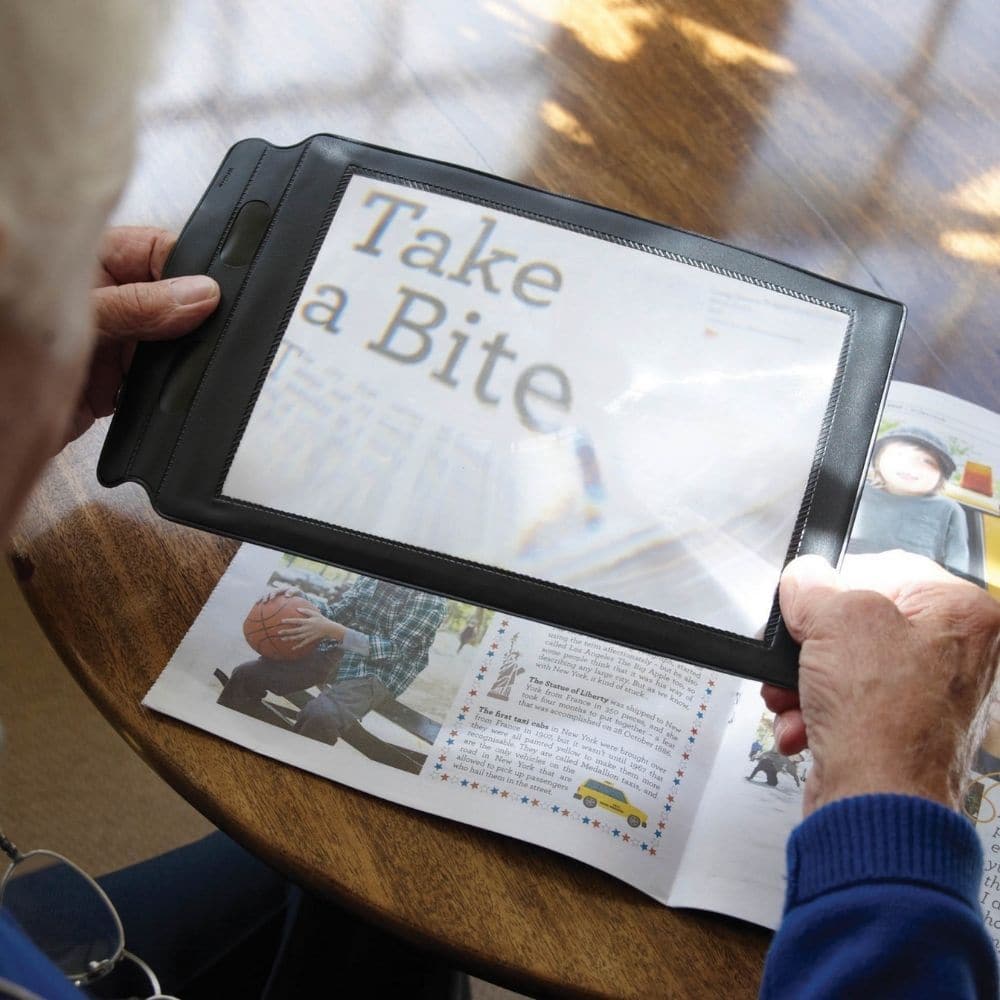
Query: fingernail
x=193 y=288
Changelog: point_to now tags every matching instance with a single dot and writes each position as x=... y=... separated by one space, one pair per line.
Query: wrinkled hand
x=897 y=659
x=131 y=302
x=311 y=626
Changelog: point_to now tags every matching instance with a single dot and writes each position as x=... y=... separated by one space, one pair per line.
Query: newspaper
x=659 y=773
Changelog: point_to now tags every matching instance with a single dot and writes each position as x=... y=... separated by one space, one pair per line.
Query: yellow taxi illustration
x=604 y=794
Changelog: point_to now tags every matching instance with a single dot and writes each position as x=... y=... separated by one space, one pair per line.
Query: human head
x=911 y=461
x=69 y=74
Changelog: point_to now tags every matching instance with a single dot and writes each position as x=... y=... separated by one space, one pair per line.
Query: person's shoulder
x=433 y=601
x=362 y=586
x=941 y=502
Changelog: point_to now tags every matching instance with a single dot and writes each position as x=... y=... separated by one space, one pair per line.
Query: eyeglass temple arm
x=9 y=849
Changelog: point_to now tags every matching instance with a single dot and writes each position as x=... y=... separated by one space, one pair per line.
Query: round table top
x=852 y=140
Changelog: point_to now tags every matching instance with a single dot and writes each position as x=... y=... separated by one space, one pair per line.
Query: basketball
x=263 y=626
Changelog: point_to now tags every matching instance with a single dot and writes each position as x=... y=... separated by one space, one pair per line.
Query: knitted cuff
x=880 y=838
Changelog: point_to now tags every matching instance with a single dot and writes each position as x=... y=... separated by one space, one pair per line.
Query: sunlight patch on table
x=972 y=245
x=722 y=47
x=981 y=195
x=563 y=121
x=610 y=29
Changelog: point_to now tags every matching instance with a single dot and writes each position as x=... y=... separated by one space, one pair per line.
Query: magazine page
x=932 y=489
x=971 y=438
x=934 y=484
x=590 y=749
x=734 y=860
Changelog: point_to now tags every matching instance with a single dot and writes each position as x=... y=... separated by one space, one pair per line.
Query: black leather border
x=181 y=458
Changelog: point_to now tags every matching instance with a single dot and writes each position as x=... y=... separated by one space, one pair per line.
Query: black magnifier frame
x=258 y=230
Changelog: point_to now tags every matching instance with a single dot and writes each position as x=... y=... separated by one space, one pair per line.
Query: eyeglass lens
x=63 y=913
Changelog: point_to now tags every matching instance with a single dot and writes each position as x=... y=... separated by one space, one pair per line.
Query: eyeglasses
x=69 y=918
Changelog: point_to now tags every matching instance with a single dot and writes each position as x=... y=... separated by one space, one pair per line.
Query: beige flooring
x=68 y=782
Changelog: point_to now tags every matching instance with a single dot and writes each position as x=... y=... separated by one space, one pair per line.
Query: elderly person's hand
x=62 y=359
x=897 y=659
x=132 y=302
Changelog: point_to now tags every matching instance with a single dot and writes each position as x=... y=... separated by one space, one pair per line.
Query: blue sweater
x=882 y=901
x=23 y=965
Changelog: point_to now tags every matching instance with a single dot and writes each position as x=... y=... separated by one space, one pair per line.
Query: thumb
x=154 y=310
x=805 y=581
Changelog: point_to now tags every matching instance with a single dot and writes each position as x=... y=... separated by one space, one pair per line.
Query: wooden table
x=854 y=139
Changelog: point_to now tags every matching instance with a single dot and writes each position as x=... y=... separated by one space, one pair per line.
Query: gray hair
x=69 y=73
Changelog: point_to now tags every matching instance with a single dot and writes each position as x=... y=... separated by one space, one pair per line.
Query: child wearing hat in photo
x=902 y=506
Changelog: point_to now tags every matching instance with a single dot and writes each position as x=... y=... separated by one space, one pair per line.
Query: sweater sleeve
x=23 y=965
x=882 y=901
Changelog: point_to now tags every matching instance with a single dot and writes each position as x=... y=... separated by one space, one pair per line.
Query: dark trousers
x=251 y=681
x=325 y=717
x=214 y=923
x=209 y=919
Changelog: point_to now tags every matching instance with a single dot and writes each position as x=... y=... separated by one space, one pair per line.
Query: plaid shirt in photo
x=400 y=624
